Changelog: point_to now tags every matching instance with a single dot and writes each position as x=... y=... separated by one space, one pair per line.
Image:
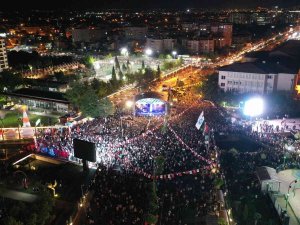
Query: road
x=194 y=75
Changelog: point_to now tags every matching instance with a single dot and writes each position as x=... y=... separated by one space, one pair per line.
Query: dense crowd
x=120 y=193
x=126 y=144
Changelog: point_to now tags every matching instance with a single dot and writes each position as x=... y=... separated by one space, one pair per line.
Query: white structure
x=268 y=179
x=3 y=56
x=160 y=45
x=255 y=77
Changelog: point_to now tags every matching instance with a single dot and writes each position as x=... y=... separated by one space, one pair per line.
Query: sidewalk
x=293 y=219
x=18 y=195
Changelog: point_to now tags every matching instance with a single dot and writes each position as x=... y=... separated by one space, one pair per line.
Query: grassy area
x=13 y=119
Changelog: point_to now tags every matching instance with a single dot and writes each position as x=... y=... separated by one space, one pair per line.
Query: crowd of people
x=126 y=151
x=120 y=196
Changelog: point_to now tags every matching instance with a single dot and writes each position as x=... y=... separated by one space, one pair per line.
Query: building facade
x=201 y=46
x=40 y=100
x=3 y=56
x=161 y=45
x=87 y=35
x=135 y=33
x=258 y=78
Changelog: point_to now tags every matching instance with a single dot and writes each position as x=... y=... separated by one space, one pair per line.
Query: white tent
x=268 y=179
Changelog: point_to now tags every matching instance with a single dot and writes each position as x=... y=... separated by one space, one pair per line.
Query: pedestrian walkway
x=18 y=195
x=293 y=219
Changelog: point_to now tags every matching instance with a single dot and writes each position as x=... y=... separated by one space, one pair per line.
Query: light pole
x=148 y=52
x=174 y=53
x=129 y=105
x=284 y=158
x=124 y=51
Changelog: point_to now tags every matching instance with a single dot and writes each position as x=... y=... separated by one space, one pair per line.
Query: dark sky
x=142 y=4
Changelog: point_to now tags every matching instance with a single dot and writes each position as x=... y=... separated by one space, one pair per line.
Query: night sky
x=143 y=4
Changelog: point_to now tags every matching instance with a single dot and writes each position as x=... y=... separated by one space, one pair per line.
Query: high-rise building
x=3 y=56
x=225 y=30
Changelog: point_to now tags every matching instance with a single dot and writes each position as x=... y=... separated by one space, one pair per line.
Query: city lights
x=124 y=51
x=174 y=53
x=148 y=52
x=129 y=104
x=96 y=65
x=117 y=102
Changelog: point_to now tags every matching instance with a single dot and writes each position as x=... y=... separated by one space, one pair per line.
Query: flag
x=25 y=119
x=200 y=120
x=206 y=129
x=37 y=122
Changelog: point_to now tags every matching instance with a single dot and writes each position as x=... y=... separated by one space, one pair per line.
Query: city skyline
x=147 y=4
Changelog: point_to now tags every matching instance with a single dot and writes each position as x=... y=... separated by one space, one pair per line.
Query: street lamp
x=148 y=52
x=174 y=53
x=124 y=51
x=254 y=107
x=129 y=104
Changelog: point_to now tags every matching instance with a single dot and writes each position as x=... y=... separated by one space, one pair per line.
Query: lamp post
x=288 y=194
x=174 y=53
x=148 y=52
x=284 y=158
x=124 y=51
x=129 y=105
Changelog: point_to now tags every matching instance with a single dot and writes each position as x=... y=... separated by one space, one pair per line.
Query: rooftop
x=259 y=67
x=39 y=95
x=287 y=54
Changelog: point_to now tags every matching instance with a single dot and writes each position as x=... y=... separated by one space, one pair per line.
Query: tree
x=10 y=80
x=32 y=220
x=106 y=107
x=218 y=183
x=95 y=84
x=75 y=93
x=89 y=103
x=117 y=64
x=180 y=61
x=245 y=213
x=143 y=64
x=233 y=152
x=43 y=208
x=120 y=75
x=149 y=74
x=222 y=221
x=108 y=56
x=89 y=61
x=257 y=217
x=128 y=64
x=158 y=72
x=113 y=74
x=124 y=68
x=104 y=89
x=11 y=221
x=209 y=88
x=59 y=76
